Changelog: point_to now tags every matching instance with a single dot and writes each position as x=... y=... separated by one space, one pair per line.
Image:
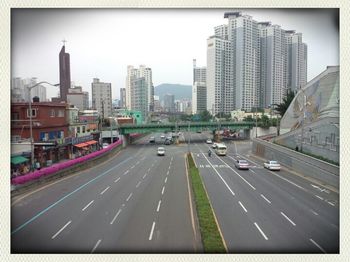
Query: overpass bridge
x=183 y=126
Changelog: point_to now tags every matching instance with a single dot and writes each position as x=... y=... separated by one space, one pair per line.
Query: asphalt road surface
x=138 y=202
x=262 y=211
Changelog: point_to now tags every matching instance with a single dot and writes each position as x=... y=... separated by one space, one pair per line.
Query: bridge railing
x=182 y=126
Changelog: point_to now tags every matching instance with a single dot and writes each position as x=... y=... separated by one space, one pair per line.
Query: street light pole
x=31 y=120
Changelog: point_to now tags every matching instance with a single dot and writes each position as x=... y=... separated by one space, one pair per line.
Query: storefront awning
x=92 y=142
x=81 y=145
x=18 y=160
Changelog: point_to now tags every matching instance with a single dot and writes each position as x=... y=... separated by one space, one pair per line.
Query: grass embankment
x=211 y=238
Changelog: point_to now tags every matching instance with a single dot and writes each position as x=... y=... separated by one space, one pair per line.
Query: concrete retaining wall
x=303 y=164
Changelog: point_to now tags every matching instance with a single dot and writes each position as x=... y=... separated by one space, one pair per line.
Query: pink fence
x=60 y=166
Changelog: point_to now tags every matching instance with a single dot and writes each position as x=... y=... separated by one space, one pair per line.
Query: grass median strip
x=210 y=234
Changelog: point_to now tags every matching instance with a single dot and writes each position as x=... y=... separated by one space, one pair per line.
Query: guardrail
x=55 y=168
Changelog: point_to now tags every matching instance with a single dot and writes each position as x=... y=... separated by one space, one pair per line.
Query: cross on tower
x=64 y=41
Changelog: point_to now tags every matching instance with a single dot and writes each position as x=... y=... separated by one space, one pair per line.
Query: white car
x=214 y=145
x=209 y=141
x=152 y=139
x=162 y=136
x=105 y=145
x=161 y=151
x=272 y=165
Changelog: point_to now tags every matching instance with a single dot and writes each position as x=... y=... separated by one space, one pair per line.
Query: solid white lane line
x=314 y=212
x=128 y=197
x=55 y=235
x=115 y=217
x=163 y=190
x=252 y=171
x=319 y=197
x=265 y=198
x=104 y=190
x=237 y=173
x=330 y=203
x=317 y=245
x=115 y=181
x=87 y=205
x=167 y=172
x=223 y=180
x=242 y=206
x=138 y=184
x=285 y=179
x=166 y=179
x=158 y=207
x=127 y=171
x=261 y=232
x=144 y=176
x=288 y=219
x=151 y=233
x=98 y=242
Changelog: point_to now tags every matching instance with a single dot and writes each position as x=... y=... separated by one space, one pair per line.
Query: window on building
x=83 y=129
x=78 y=129
x=52 y=113
x=15 y=116
x=60 y=113
x=34 y=113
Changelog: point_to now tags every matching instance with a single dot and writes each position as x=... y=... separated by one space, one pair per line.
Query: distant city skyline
x=103 y=42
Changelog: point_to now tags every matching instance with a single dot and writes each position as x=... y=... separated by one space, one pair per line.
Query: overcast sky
x=102 y=42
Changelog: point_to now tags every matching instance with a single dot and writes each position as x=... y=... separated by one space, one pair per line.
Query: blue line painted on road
x=66 y=196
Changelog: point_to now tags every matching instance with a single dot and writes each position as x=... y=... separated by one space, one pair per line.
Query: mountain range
x=179 y=91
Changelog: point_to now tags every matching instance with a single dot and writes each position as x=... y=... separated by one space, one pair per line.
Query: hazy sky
x=102 y=42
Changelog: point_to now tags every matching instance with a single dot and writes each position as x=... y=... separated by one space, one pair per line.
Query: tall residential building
x=199 y=97
x=139 y=95
x=296 y=61
x=273 y=61
x=199 y=73
x=65 y=80
x=199 y=89
x=133 y=74
x=122 y=98
x=252 y=64
x=169 y=103
x=102 y=97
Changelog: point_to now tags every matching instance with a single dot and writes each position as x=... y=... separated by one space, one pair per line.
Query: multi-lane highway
x=140 y=202
x=135 y=202
x=261 y=211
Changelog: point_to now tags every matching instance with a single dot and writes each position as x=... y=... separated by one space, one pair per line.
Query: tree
x=264 y=122
x=205 y=116
x=282 y=108
x=248 y=119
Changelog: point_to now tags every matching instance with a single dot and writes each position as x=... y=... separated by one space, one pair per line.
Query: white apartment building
x=141 y=72
x=220 y=96
x=199 y=89
x=273 y=61
x=296 y=61
x=251 y=64
x=102 y=97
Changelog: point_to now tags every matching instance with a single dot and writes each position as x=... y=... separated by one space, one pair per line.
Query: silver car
x=241 y=164
x=272 y=165
x=161 y=151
